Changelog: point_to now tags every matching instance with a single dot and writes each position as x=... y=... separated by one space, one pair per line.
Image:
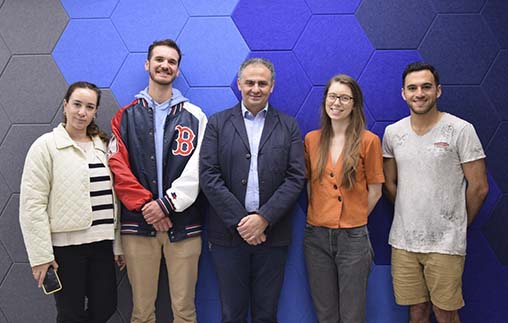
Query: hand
x=120 y=262
x=251 y=228
x=152 y=212
x=40 y=271
x=163 y=225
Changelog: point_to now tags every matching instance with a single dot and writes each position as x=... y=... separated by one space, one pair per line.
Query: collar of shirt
x=249 y=116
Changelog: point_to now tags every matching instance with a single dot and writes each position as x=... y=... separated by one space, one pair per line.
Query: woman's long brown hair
x=351 y=150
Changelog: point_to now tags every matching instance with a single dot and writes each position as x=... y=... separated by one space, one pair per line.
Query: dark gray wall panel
x=35 y=88
x=14 y=149
x=22 y=301
x=5 y=262
x=4 y=122
x=32 y=26
x=4 y=54
x=10 y=231
x=5 y=192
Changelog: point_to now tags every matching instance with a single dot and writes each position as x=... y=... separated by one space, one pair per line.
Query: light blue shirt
x=254 y=126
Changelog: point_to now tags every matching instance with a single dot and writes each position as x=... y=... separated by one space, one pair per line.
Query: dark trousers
x=87 y=274
x=249 y=275
x=338 y=265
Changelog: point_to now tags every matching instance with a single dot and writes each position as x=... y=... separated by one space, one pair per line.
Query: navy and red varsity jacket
x=132 y=161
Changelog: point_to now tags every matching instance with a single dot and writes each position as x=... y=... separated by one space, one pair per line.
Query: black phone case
x=51 y=283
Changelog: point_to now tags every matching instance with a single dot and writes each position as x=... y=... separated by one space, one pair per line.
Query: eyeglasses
x=344 y=99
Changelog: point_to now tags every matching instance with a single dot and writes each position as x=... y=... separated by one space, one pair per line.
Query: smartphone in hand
x=51 y=283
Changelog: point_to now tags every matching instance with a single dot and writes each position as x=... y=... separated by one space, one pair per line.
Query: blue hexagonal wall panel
x=212 y=99
x=395 y=24
x=270 y=25
x=90 y=50
x=488 y=205
x=309 y=115
x=291 y=82
x=468 y=40
x=497 y=154
x=495 y=230
x=132 y=78
x=209 y=7
x=496 y=83
x=494 y=14
x=458 y=6
x=380 y=304
x=381 y=83
x=90 y=8
x=464 y=102
x=333 y=6
x=485 y=282
x=345 y=49
x=213 y=50
x=141 y=22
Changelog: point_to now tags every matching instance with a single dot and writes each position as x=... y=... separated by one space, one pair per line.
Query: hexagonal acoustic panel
x=495 y=86
x=398 y=24
x=464 y=102
x=309 y=115
x=4 y=54
x=271 y=25
x=468 y=40
x=381 y=83
x=209 y=7
x=497 y=154
x=90 y=50
x=458 y=6
x=5 y=123
x=19 y=279
x=346 y=49
x=90 y=8
x=33 y=28
x=10 y=231
x=333 y=6
x=34 y=87
x=495 y=230
x=141 y=22
x=212 y=99
x=5 y=193
x=225 y=50
x=14 y=148
x=494 y=14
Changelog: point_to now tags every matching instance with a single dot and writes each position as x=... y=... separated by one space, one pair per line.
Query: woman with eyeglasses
x=68 y=212
x=345 y=174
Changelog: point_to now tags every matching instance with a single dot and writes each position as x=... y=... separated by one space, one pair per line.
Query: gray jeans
x=338 y=263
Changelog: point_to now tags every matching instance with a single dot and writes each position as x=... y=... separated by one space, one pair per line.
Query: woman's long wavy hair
x=351 y=150
x=92 y=129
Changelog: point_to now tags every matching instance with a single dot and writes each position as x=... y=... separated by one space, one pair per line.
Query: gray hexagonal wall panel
x=4 y=54
x=19 y=279
x=10 y=231
x=5 y=192
x=13 y=151
x=4 y=123
x=34 y=86
x=5 y=262
x=32 y=27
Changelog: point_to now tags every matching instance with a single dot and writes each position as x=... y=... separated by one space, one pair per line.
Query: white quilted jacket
x=55 y=193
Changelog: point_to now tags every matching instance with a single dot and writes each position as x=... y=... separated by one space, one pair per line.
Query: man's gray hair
x=257 y=60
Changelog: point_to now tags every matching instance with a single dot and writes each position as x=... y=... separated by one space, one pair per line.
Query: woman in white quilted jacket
x=68 y=211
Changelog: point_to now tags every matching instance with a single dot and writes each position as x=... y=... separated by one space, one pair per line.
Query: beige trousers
x=143 y=256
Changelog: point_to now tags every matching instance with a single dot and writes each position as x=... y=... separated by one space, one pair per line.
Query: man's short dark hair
x=165 y=42
x=419 y=66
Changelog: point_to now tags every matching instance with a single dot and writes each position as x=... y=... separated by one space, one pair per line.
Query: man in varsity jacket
x=154 y=156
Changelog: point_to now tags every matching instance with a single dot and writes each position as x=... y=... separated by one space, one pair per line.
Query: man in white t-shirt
x=435 y=173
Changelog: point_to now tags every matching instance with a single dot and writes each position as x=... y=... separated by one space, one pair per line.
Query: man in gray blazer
x=252 y=171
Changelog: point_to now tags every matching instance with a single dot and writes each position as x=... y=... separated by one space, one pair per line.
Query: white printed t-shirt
x=430 y=206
